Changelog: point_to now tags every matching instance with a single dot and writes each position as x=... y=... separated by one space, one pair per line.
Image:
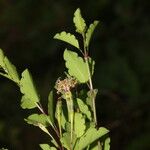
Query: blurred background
x=120 y=47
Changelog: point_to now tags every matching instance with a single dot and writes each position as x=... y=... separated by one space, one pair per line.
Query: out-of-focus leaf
x=27 y=87
x=90 y=32
x=79 y=22
x=76 y=66
x=67 y=37
x=84 y=108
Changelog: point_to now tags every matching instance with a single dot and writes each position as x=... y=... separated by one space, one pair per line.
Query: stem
x=90 y=78
x=90 y=83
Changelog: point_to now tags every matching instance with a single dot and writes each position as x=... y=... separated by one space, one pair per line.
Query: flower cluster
x=63 y=86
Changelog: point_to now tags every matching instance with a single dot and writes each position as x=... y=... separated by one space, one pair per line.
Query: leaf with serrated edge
x=89 y=137
x=26 y=103
x=50 y=106
x=67 y=37
x=76 y=66
x=37 y=119
x=12 y=72
x=47 y=147
x=79 y=22
x=79 y=124
x=84 y=108
x=90 y=32
x=27 y=87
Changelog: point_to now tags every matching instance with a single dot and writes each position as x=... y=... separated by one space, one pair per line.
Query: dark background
x=120 y=47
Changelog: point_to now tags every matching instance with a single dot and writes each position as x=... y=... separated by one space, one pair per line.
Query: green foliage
x=90 y=32
x=79 y=124
x=76 y=66
x=47 y=147
x=79 y=22
x=67 y=37
x=27 y=87
x=84 y=108
x=71 y=119
x=89 y=137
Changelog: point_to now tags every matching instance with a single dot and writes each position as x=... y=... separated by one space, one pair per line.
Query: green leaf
x=91 y=65
x=90 y=32
x=11 y=70
x=58 y=113
x=26 y=103
x=84 y=108
x=107 y=144
x=66 y=141
x=51 y=106
x=79 y=22
x=79 y=124
x=67 y=37
x=27 y=87
x=90 y=96
x=2 y=64
x=47 y=147
x=76 y=66
x=36 y=119
x=91 y=135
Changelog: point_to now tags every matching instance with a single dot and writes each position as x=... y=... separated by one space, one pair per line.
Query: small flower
x=63 y=86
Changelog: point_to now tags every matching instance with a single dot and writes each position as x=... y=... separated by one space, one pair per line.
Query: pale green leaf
x=79 y=124
x=27 y=87
x=2 y=64
x=91 y=65
x=66 y=141
x=36 y=119
x=84 y=108
x=90 y=32
x=76 y=66
x=51 y=106
x=89 y=137
x=11 y=70
x=67 y=37
x=58 y=113
x=47 y=147
x=107 y=144
x=26 y=103
x=90 y=96
x=79 y=22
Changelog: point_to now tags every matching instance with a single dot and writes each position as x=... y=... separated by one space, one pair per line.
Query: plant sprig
x=73 y=121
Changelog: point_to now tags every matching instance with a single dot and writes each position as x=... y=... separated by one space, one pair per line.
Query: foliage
x=77 y=129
